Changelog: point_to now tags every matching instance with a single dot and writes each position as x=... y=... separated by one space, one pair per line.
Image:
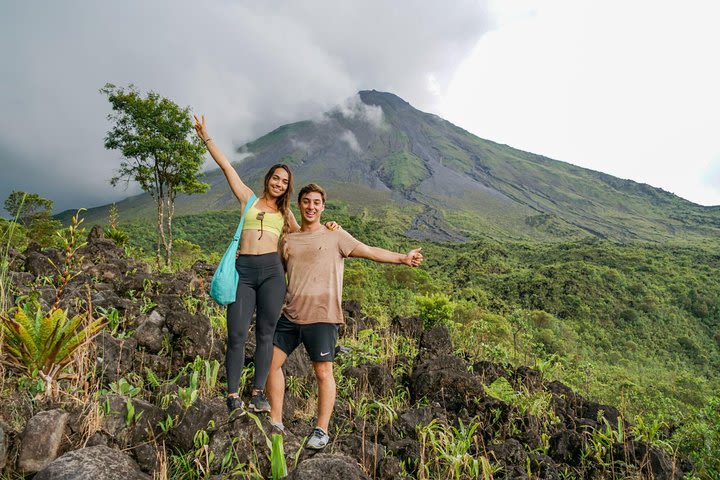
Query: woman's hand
x=332 y=225
x=200 y=128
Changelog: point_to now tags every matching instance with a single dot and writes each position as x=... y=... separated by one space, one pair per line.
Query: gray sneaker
x=277 y=427
x=318 y=439
x=259 y=403
x=236 y=407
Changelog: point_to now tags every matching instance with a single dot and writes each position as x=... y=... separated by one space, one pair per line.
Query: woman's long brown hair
x=283 y=201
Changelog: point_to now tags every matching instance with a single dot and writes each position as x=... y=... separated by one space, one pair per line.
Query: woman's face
x=278 y=182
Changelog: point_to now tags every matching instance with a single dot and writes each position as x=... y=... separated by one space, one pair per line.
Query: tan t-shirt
x=315 y=265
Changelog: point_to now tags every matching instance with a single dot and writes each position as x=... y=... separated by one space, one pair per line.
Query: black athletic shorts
x=319 y=338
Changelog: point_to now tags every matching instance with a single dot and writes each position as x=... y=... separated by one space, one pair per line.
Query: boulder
x=433 y=343
x=411 y=327
x=192 y=336
x=149 y=332
x=512 y=456
x=195 y=418
x=41 y=440
x=93 y=463
x=372 y=378
x=115 y=357
x=445 y=380
x=326 y=466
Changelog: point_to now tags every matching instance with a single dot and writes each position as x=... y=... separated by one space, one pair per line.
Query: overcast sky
x=627 y=88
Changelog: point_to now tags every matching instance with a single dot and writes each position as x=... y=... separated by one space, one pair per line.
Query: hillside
x=377 y=150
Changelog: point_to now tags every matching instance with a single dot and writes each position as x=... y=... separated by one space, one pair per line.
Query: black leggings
x=261 y=286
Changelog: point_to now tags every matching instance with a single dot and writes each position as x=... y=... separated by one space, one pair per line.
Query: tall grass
x=5 y=242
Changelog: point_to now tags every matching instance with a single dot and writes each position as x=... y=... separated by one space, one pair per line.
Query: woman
x=262 y=277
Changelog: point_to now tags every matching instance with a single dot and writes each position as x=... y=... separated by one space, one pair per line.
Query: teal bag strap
x=249 y=204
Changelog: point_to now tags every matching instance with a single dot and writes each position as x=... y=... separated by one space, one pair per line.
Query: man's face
x=311 y=206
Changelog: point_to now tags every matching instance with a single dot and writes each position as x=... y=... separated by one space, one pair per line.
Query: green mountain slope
x=377 y=150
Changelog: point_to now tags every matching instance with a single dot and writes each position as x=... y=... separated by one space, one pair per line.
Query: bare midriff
x=250 y=245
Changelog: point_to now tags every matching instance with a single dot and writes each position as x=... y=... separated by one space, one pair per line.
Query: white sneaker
x=318 y=439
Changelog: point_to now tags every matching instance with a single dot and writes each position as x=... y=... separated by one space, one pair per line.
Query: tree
x=26 y=207
x=34 y=213
x=161 y=152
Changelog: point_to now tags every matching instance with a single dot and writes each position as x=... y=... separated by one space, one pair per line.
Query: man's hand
x=413 y=258
x=332 y=225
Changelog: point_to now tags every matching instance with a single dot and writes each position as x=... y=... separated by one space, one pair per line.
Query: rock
x=167 y=304
x=445 y=380
x=298 y=364
x=131 y=282
x=41 y=440
x=142 y=428
x=652 y=461
x=105 y=299
x=3 y=448
x=247 y=443
x=566 y=447
x=433 y=343
x=115 y=357
x=39 y=264
x=372 y=378
x=544 y=467
x=326 y=466
x=159 y=365
x=16 y=260
x=21 y=280
x=488 y=372
x=100 y=249
x=147 y=457
x=390 y=468
x=411 y=327
x=149 y=333
x=363 y=450
x=512 y=456
x=192 y=336
x=93 y=463
x=351 y=310
x=197 y=417
x=98 y=438
x=105 y=271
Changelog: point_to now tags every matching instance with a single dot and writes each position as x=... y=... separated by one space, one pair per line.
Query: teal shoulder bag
x=224 y=283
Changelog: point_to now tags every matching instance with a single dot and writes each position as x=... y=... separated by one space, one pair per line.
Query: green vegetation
x=33 y=213
x=631 y=325
x=152 y=134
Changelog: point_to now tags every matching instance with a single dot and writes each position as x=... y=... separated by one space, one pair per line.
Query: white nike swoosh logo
x=324 y=354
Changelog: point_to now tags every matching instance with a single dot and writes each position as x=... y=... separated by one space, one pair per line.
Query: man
x=312 y=311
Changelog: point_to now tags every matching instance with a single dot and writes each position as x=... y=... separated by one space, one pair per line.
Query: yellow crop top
x=271 y=222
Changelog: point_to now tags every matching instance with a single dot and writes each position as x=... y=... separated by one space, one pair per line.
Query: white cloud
x=627 y=88
x=248 y=66
x=353 y=108
x=349 y=137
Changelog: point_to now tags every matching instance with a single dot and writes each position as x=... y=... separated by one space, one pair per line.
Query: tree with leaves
x=35 y=214
x=26 y=207
x=155 y=136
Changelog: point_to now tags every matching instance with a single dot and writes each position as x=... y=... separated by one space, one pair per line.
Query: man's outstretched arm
x=412 y=259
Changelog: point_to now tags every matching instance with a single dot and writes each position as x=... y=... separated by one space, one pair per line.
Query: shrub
x=435 y=309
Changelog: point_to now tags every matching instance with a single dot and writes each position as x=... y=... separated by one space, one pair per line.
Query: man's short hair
x=312 y=187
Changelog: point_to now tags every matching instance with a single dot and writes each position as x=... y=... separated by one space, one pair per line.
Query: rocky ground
x=102 y=431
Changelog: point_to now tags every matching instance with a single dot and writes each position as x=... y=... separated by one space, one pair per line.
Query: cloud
x=354 y=109
x=248 y=66
x=349 y=137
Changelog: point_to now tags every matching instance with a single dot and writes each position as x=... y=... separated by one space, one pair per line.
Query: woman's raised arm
x=241 y=191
